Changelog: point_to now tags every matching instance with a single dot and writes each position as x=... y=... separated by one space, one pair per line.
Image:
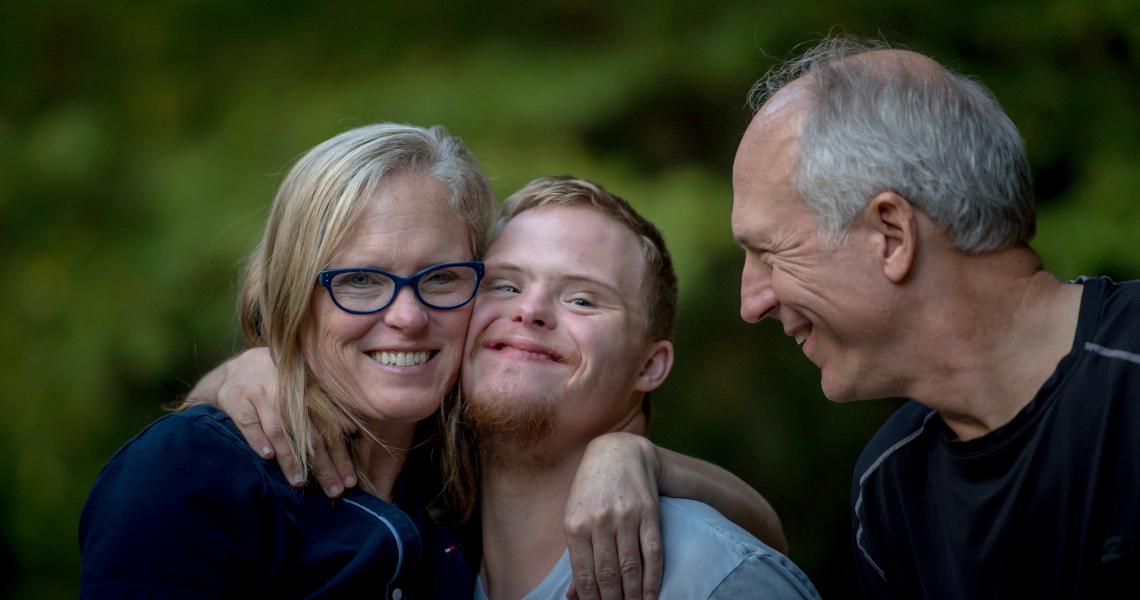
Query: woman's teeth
x=401 y=359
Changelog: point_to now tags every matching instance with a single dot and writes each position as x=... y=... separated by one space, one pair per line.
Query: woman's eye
x=441 y=277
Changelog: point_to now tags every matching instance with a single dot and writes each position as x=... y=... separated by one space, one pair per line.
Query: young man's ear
x=655 y=367
x=894 y=226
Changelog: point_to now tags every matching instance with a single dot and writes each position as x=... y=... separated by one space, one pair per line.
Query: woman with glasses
x=361 y=291
x=187 y=509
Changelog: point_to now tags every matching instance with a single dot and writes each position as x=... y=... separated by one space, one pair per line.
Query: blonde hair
x=318 y=203
x=659 y=282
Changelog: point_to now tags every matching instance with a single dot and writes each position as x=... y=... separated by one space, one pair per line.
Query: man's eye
x=582 y=302
x=502 y=286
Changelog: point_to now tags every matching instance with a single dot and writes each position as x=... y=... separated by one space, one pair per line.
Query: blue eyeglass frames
x=363 y=291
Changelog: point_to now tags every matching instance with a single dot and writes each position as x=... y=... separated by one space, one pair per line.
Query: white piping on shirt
x=1113 y=353
x=395 y=535
x=863 y=478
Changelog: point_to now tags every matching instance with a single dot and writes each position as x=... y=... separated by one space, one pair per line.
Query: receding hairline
x=774 y=132
x=786 y=111
x=891 y=59
x=882 y=61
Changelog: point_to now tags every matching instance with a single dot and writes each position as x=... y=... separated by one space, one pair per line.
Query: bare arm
x=243 y=387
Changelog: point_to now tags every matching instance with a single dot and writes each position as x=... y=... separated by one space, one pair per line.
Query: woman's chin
x=407 y=409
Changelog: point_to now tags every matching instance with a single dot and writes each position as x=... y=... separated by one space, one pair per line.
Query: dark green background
x=141 y=143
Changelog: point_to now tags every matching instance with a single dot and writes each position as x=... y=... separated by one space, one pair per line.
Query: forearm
x=207 y=388
x=687 y=477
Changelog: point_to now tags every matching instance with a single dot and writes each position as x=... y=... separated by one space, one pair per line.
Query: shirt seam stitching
x=866 y=474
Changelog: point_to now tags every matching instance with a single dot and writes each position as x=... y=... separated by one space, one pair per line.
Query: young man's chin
x=506 y=424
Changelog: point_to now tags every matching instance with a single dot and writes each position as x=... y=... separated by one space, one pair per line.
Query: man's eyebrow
x=593 y=282
x=504 y=266
x=747 y=244
x=569 y=277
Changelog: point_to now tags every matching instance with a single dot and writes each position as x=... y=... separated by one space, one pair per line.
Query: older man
x=885 y=208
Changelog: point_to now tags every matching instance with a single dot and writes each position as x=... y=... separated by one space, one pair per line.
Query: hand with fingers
x=244 y=387
x=612 y=525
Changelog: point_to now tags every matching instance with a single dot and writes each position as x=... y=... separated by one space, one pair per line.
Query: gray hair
x=943 y=143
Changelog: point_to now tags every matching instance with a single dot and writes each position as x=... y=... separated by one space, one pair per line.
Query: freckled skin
x=568 y=279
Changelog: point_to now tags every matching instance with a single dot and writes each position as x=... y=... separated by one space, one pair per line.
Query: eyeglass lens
x=444 y=287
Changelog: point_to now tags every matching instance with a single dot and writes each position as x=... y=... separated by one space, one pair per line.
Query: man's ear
x=894 y=226
x=656 y=366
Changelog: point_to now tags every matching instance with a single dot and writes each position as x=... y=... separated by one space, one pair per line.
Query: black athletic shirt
x=1045 y=506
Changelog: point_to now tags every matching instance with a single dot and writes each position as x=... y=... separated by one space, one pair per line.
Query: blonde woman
x=186 y=508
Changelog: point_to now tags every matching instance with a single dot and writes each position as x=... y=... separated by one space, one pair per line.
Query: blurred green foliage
x=142 y=142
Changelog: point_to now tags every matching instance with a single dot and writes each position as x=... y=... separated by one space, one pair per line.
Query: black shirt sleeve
x=178 y=512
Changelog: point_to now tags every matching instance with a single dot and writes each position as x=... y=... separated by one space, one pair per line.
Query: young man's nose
x=535 y=309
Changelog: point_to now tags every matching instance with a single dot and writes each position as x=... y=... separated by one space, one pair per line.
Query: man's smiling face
x=558 y=325
x=826 y=296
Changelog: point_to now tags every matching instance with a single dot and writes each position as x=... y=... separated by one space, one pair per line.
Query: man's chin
x=506 y=424
x=834 y=390
x=838 y=390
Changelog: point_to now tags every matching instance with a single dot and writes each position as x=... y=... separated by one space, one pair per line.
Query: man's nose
x=534 y=309
x=757 y=299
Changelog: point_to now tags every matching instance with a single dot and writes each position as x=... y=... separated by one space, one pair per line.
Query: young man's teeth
x=801 y=338
x=400 y=359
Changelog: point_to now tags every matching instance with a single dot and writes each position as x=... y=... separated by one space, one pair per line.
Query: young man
x=885 y=208
x=570 y=332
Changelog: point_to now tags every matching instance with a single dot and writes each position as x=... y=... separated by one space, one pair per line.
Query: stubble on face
x=509 y=427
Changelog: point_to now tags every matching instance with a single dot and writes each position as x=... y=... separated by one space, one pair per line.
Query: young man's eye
x=582 y=302
x=502 y=286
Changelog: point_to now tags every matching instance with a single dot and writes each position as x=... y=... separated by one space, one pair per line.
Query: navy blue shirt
x=187 y=510
x=1045 y=506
